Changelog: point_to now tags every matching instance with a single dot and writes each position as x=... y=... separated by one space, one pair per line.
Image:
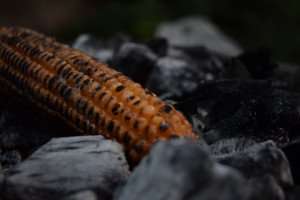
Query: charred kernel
x=110 y=126
x=163 y=126
x=127 y=117
x=131 y=98
x=136 y=102
x=120 y=88
x=89 y=95
x=115 y=109
x=126 y=138
x=167 y=108
x=136 y=124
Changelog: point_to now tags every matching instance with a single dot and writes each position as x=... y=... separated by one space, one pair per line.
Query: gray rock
x=181 y=169
x=265 y=188
x=83 y=195
x=94 y=47
x=259 y=160
x=68 y=165
x=197 y=31
x=135 y=60
x=229 y=146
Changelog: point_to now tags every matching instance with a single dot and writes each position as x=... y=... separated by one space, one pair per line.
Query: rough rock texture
x=83 y=195
x=197 y=31
x=180 y=169
x=68 y=165
x=260 y=160
x=135 y=60
x=259 y=110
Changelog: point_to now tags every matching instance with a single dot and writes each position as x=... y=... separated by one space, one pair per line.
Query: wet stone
x=66 y=166
x=181 y=169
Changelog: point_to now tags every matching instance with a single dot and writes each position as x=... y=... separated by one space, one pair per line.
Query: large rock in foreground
x=180 y=169
x=65 y=166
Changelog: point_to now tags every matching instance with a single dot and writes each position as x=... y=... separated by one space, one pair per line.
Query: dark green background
x=257 y=23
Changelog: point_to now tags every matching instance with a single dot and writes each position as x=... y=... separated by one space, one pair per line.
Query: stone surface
x=68 y=165
x=94 y=47
x=180 y=169
x=190 y=66
x=256 y=109
x=266 y=188
x=135 y=60
x=83 y=195
x=230 y=146
x=197 y=31
x=259 y=160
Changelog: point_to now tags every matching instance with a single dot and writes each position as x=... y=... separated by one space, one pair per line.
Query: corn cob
x=87 y=94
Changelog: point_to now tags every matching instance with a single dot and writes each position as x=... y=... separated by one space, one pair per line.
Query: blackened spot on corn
x=67 y=93
x=163 y=126
x=127 y=117
x=139 y=146
x=136 y=102
x=114 y=110
x=97 y=117
x=136 y=124
x=110 y=127
x=97 y=88
x=119 y=88
x=126 y=138
x=52 y=81
x=174 y=136
x=102 y=95
x=167 y=108
x=131 y=98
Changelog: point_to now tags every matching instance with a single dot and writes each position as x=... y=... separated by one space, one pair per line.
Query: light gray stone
x=68 y=165
x=197 y=31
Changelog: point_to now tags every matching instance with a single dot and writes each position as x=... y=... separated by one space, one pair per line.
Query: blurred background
x=273 y=24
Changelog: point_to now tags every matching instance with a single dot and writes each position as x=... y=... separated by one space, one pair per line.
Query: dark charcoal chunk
x=258 y=63
x=68 y=165
x=259 y=110
x=10 y=158
x=181 y=169
x=159 y=46
x=134 y=60
x=293 y=193
x=179 y=74
x=292 y=152
x=24 y=128
x=265 y=188
x=259 y=160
